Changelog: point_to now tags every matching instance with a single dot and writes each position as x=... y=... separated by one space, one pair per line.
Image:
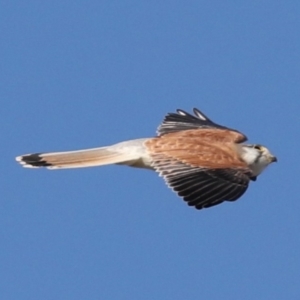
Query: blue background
x=80 y=74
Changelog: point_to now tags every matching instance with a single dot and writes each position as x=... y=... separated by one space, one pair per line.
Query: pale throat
x=254 y=159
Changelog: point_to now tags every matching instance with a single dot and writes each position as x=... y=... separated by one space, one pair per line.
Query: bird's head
x=257 y=157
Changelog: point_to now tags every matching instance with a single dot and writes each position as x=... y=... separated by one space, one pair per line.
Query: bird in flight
x=203 y=162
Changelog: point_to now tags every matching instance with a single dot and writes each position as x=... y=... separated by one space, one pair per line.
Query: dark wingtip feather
x=181 y=120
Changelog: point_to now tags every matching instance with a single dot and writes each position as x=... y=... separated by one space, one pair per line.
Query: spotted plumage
x=203 y=162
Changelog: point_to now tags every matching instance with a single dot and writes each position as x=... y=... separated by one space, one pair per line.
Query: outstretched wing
x=203 y=173
x=180 y=121
x=202 y=187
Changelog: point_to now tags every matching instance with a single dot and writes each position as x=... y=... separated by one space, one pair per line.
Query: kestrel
x=203 y=162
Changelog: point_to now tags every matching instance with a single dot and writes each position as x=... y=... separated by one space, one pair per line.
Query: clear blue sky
x=79 y=74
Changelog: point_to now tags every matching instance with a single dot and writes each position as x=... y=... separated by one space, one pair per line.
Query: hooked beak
x=273 y=159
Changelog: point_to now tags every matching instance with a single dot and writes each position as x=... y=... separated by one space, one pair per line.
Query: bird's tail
x=131 y=153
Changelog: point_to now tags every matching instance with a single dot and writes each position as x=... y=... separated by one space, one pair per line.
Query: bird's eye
x=258 y=147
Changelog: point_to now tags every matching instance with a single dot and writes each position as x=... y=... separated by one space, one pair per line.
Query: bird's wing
x=181 y=121
x=203 y=174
